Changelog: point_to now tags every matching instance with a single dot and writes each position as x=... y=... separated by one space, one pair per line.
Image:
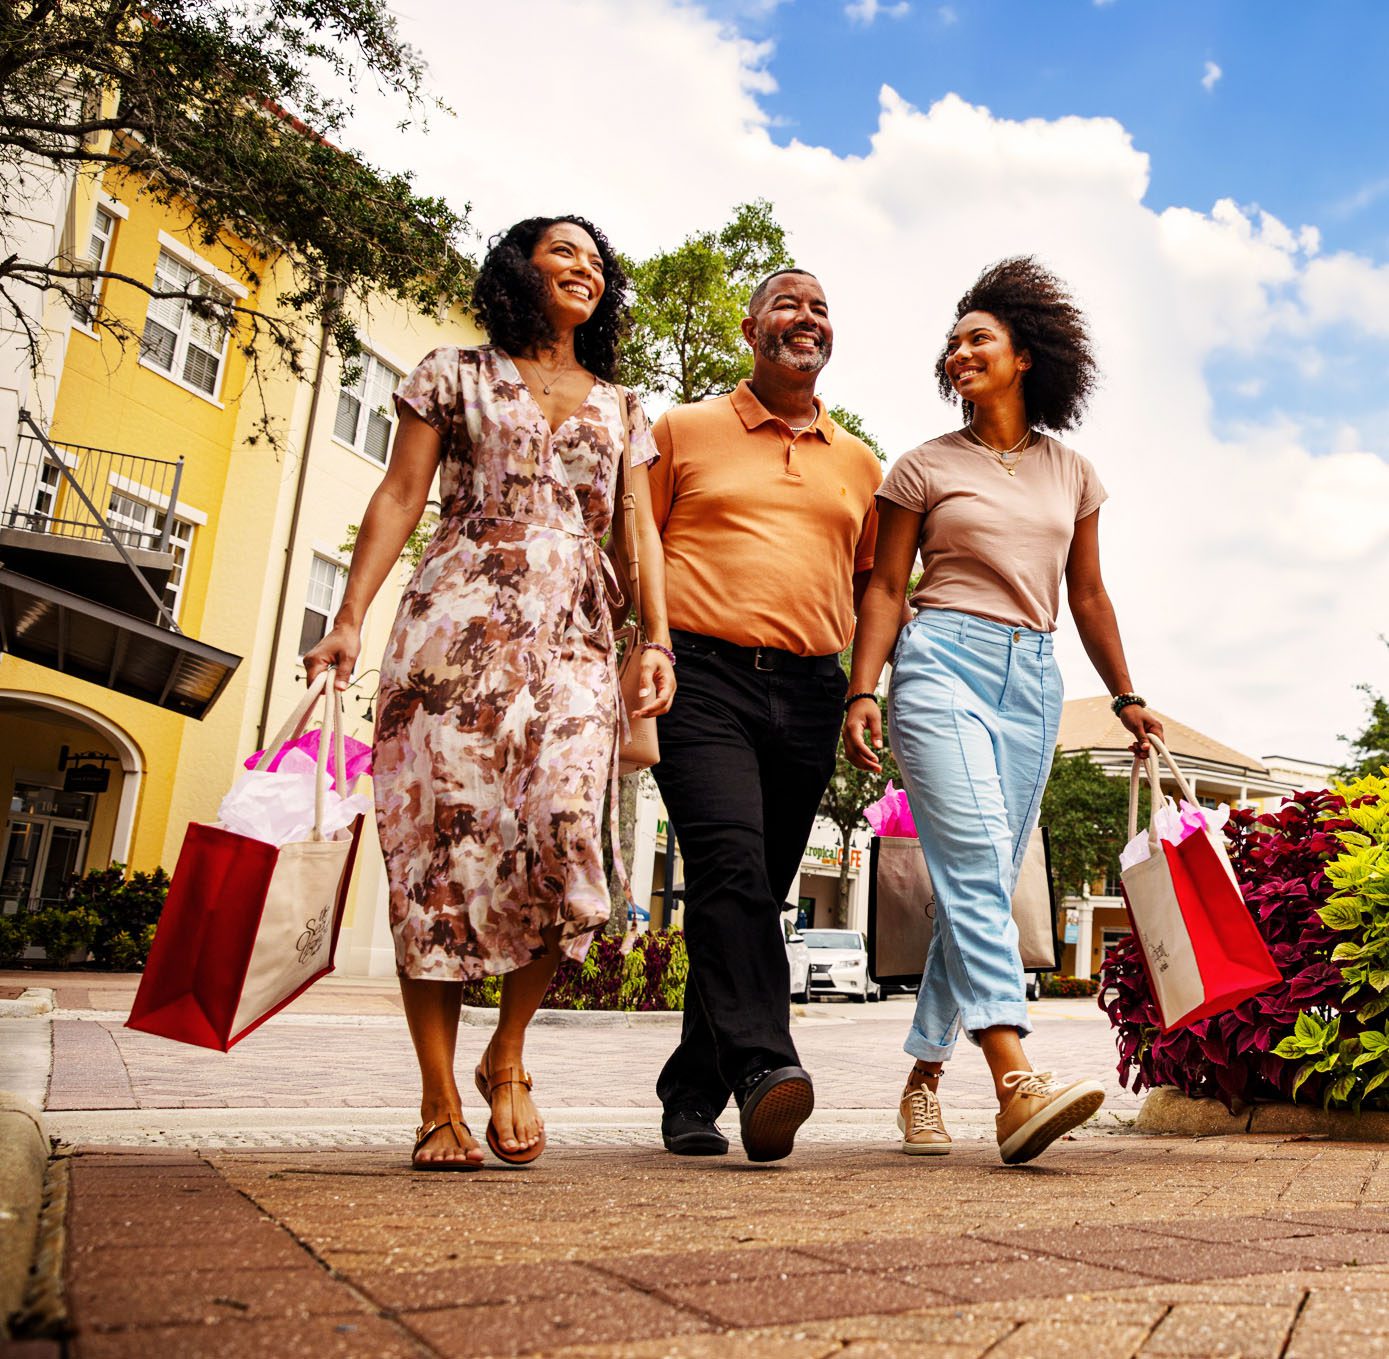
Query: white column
x=1085 y=929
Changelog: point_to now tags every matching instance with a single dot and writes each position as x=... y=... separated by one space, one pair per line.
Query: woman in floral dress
x=498 y=708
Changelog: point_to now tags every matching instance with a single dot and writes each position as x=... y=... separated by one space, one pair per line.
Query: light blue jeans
x=972 y=718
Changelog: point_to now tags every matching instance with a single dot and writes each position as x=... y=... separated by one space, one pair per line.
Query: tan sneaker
x=1040 y=1110
x=919 y=1120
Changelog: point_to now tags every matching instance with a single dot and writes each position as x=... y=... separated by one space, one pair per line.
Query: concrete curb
x=23 y=1160
x=484 y=1017
x=35 y=1001
x=1169 y=1111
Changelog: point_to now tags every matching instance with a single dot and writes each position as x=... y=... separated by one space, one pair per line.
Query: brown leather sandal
x=488 y=1083
x=427 y=1130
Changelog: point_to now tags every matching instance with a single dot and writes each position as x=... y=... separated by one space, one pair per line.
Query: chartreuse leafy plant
x=1355 y=1063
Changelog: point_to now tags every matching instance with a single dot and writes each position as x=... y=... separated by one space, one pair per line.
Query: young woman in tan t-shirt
x=999 y=512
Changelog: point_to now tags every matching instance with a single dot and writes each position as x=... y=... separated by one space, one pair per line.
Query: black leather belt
x=764 y=658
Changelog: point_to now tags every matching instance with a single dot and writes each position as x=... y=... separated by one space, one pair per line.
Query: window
x=326 y=581
x=98 y=253
x=366 y=413
x=139 y=524
x=45 y=496
x=188 y=347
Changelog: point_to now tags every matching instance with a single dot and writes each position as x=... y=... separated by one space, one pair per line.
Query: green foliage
x=1054 y=984
x=1086 y=812
x=14 y=937
x=126 y=910
x=1369 y=752
x=688 y=305
x=190 y=100
x=853 y=422
x=413 y=551
x=850 y=790
x=64 y=932
x=1352 y=1056
x=648 y=975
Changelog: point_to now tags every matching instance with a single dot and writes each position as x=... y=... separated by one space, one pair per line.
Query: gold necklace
x=536 y=364
x=1003 y=455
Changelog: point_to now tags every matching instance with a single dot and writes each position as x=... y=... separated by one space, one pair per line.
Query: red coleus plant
x=1279 y=859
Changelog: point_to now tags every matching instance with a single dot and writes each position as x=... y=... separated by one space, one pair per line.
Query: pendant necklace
x=535 y=363
x=1008 y=458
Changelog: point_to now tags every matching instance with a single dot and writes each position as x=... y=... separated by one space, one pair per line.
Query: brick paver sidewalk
x=1112 y=1244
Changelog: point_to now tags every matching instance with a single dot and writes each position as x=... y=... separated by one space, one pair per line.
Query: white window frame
x=335 y=594
x=370 y=362
x=85 y=311
x=144 y=529
x=207 y=278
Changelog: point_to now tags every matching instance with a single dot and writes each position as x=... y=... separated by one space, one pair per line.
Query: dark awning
x=51 y=627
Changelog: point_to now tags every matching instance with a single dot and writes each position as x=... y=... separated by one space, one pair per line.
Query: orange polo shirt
x=763 y=529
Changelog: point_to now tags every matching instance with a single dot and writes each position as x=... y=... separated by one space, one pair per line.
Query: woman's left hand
x=1140 y=722
x=657 y=687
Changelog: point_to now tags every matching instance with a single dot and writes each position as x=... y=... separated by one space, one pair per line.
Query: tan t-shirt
x=763 y=528
x=994 y=545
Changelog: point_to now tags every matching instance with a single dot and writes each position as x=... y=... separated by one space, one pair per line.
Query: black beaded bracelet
x=854 y=698
x=1125 y=701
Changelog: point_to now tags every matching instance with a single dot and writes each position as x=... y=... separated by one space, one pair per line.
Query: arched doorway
x=56 y=827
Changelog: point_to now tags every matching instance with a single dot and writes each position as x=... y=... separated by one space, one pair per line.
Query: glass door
x=22 y=854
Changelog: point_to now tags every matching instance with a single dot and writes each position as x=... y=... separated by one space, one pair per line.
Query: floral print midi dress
x=498 y=716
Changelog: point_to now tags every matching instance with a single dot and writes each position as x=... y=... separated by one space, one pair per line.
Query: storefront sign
x=87 y=778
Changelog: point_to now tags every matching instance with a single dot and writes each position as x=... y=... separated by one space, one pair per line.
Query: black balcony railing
x=76 y=491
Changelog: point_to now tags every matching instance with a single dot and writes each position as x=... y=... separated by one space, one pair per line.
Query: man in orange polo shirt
x=767 y=519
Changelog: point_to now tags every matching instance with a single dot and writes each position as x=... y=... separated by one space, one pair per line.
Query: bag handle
x=333 y=701
x=332 y=730
x=1154 y=773
x=629 y=512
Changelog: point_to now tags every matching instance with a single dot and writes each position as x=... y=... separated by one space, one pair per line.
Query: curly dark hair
x=1041 y=317
x=508 y=297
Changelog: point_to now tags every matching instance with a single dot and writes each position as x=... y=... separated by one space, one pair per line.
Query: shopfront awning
x=49 y=626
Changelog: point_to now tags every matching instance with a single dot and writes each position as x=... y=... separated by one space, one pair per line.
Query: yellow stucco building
x=241 y=542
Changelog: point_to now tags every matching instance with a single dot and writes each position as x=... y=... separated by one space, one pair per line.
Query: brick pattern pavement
x=1109 y=1247
x=333 y=1060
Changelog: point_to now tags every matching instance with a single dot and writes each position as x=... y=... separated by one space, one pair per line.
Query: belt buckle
x=757 y=662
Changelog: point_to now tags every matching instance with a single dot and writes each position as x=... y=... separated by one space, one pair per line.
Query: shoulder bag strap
x=629 y=511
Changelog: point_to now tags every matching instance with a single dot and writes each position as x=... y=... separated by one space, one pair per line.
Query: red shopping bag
x=247 y=925
x=1201 y=948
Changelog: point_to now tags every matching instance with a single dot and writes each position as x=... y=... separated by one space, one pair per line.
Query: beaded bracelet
x=1125 y=701
x=664 y=650
x=854 y=698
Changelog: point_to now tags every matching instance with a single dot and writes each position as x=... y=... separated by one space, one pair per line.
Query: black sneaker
x=772 y=1106
x=692 y=1132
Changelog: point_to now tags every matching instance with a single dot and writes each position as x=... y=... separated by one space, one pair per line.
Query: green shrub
x=65 y=932
x=14 y=937
x=649 y=976
x=1054 y=984
x=126 y=910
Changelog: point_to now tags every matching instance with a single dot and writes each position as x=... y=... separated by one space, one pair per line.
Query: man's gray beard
x=775 y=348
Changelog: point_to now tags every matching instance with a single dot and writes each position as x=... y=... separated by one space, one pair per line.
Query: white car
x=798 y=961
x=839 y=965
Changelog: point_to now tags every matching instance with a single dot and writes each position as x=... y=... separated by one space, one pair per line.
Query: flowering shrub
x=650 y=976
x=1054 y=984
x=1283 y=862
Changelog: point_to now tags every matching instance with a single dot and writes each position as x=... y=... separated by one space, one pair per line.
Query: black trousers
x=745 y=756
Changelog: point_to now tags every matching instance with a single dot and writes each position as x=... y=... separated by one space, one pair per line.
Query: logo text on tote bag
x=311 y=940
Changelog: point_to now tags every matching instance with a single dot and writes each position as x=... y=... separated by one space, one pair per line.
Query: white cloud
x=1211 y=75
x=865 y=11
x=1248 y=575
x=948 y=15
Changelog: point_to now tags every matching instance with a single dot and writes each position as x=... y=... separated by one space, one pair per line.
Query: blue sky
x=1278 y=106
x=1295 y=123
